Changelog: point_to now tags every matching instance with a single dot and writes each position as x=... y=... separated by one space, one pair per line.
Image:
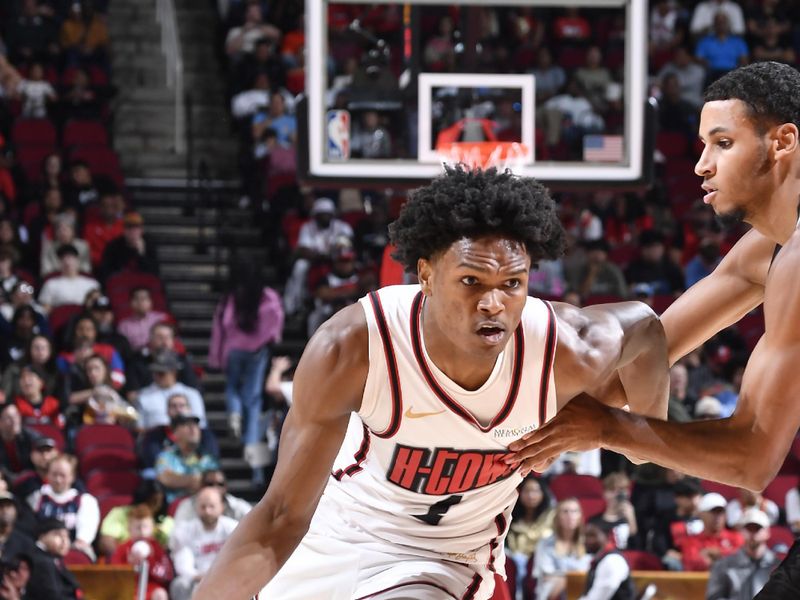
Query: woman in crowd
x=561 y=552
x=99 y=402
x=39 y=352
x=35 y=407
x=531 y=521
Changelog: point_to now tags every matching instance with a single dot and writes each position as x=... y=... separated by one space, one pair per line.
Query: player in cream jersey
x=394 y=480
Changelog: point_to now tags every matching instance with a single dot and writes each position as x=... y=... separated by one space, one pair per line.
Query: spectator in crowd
x=764 y=13
x=770 y=46
x=99 y=402
x=597 y=275
x=114 y=529
x=25 y=324
x=561 y=552
x=241 y=41
x=531 y=522
x=571 y=27
x=53 y=580
x=84 y=36
x=720 y=51
x=792 y=506
x=315 y=243
x=708 y=407
x=13 y=541
x=43 y=451
x=665 y=32
x=36 y=93
x=675 y=113
x=152 y=400
x=131 y=250
x=550 y=77
x=680 y=403
x=691 y=76
x=342 y=286
x=59 y=498
x=80 y=100
x=179 y=468
x=701 y=551
x=102 y=313
x=654 y=267
x=439 y=53
x=80 y=189
x=707 y=258
x=742 y=574
x=107 y=225
x=196 y=543
x=157 y=439
x=17 y=441
x=618 y=520
x=595 y=79
x=22 y=298
x=671 y=515
x=370 y=139
x=262 y=60
x=52 y=175
x=39 y=352
x=136 y=328
x=546 y=278
x=141 y=529
x=14 y=583
x=162 y=337
x=32 y=36
x=69 y=286
x=253 y=99
x=235 y=508
x=276 y=118
x=34 y=407
x=83 y=344
x=8 y=275
x=63 y=233
x=609 y=574
x=570 y=115
x=749 y=499
x=705 y=13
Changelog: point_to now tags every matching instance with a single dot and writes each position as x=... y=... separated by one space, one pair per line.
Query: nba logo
x=338 y=135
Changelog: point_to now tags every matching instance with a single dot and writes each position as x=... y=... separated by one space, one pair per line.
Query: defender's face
x=476 y=291
x=735 y=163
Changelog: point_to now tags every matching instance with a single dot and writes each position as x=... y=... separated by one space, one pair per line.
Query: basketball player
x=751 y=170
x=439 y=378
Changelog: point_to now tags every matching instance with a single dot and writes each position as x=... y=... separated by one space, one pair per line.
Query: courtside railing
x=171 y=47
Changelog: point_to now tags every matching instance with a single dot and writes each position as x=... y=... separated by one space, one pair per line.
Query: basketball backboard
x=395 y=89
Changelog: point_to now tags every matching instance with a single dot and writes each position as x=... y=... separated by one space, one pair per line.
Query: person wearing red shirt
x=106 y=226
x=702 y=550
x=34 y=407
x=141 y=528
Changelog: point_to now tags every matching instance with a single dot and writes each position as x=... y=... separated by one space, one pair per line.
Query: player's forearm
x=646 y=378
x=257 y=549
x=720 y=450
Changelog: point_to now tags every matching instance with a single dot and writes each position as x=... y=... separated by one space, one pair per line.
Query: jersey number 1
x=437 y=511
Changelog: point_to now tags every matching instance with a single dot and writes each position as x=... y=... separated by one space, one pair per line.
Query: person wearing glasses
x=234 y=507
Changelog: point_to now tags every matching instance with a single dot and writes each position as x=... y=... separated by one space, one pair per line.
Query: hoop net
x=484 y=155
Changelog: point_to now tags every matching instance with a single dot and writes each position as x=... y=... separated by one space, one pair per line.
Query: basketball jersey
x=421 y=463
x=63 y=507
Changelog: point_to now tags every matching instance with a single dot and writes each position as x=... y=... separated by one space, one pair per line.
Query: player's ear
x=425 y=275
x=785 y=140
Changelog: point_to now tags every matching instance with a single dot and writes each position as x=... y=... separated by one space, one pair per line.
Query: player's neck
x=777 y=220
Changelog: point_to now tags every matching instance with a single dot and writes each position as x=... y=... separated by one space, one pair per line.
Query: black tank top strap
x=778 y=246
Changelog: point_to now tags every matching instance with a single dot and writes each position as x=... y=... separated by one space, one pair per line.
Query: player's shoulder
x=788 y=259
x=750 y=257
x=346 y=330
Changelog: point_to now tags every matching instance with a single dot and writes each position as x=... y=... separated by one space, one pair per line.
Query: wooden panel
x=672 y=585
x=106 y=582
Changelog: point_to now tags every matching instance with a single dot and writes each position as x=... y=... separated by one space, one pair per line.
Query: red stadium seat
x=92 y=437
x=107 y=458
x=572 y=57
x=570 y=485
x=50 y=431
x=601 y=299
x=76 y=557
x=780 y=539
x=101 y=161
x=728 y=491
x=33 y=131
x=661 y=302
x=591 y=507
x=173 y=506
x=30 y=158
x=84 y=133
x=640 y=560
x=61 y=315
x=672 y=144
x=112 y=501
x=105 y=483
x=776 y=490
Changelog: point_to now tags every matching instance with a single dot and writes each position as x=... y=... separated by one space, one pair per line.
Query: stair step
x=194 y=308
x=171 y=270
x=194 y=326
x=187 y=289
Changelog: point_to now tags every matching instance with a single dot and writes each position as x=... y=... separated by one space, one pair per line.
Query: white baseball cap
x=711 y=501
x=754 y=516
x=323 y=205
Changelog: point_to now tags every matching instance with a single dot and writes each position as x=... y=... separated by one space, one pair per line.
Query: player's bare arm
x=623 y=341
x=732 y=290
x=745 y=449
x=329 y=383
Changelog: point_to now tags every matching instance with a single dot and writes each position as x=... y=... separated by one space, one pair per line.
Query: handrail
x=171 y=47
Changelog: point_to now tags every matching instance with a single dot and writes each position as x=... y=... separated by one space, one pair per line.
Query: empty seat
x=570 y=485
x=92 y=437
x=105 y=483
x=33 y=131
x=80 y=132
x=107 y=458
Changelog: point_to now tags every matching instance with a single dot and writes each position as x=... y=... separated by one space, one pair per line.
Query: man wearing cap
x=44 y=450
x=339 y=288
x=70 y=287
x=703 y=550
x=16 y=441
x=741 y=576
x=152 y=399
x=234 y=507
x=130 y=250
x=52 y=580
x=179 y=469
x=317 y=239
x=136 y=327
x=161 y=338
x=708 y=407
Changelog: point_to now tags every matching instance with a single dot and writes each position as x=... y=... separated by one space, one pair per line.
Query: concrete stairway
x=144 y=112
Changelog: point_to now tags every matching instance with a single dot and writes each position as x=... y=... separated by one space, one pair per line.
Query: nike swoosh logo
x=419 y=415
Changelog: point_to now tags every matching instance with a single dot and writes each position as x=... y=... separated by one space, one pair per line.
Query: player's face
x=476 y=291
x=735 y=164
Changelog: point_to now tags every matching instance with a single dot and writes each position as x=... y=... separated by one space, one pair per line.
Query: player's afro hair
x=769 y=89
x=466 y=203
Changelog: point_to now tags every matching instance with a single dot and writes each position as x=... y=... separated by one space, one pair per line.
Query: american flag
x=602 y=148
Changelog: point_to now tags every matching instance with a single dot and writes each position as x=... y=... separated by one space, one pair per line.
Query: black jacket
x=51 y=579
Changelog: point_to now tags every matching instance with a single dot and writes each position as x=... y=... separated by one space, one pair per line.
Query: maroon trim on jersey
x=547 y=363
x=516 y=373
x=407 y=583
x=391 y=367
x=473 y=588
x=500 y=523
x=359 y=457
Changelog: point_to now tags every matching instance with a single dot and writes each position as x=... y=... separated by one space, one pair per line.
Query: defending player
x=439 y=378
x=751 y=171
